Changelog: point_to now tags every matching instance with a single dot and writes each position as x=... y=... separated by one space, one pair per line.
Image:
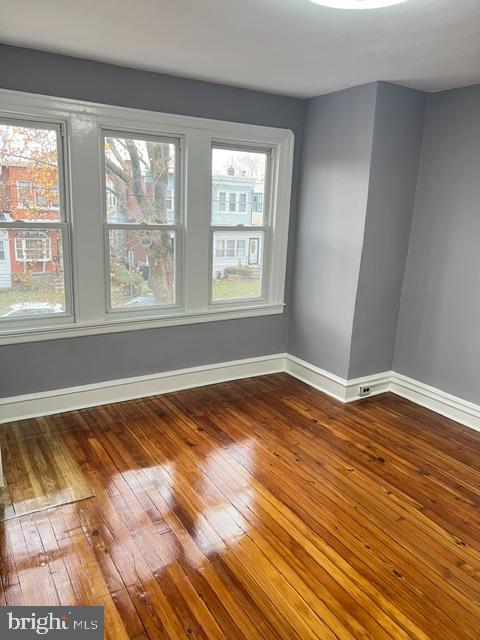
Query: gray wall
x=438 y=339
x=40 y=366
x=358 y=189
x=399 y=117
x=334 y=191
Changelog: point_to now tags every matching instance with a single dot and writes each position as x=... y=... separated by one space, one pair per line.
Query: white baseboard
x=315 y=377
x=58 y=400
x=453 y=407
x=339 y=388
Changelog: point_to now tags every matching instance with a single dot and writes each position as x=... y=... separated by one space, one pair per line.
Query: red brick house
x=21 y=198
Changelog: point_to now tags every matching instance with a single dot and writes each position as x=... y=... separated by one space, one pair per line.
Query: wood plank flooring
x=39 y=470
x=261 y=509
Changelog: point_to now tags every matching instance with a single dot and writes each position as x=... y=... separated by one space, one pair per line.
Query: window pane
x=237 y=272
x=31 y=273
x=240 y=252
x=142 y=268
x=140 y=175
x=238 y=178
x=219 y=248
x=29 y=178
x=222 y=200
x=242 y=205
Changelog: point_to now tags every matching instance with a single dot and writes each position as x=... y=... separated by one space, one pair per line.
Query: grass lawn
x=234 y=289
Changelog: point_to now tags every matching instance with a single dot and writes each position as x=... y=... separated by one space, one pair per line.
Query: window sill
x=119 y=326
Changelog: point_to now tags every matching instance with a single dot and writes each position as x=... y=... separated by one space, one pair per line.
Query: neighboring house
x=236 y=200
x=23 y=250
x=124 y=245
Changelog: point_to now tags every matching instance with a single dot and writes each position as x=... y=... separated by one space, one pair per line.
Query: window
x=222 y=201
x=37 y=196
x=33 y=246
x=240 y=252
x=163 y=219
x=242 y=203
x=239 y=279
x=219 y=248
x=230 y=248
x=24 y=194
x=141 y=239
x=36 y=283
x=111 y=199
x=257 y=202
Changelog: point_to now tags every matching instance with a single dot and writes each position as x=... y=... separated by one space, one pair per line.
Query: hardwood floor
x=39 y=469
x=261 y=509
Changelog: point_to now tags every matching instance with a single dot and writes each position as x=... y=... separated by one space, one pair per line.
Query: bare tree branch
x=120 y=173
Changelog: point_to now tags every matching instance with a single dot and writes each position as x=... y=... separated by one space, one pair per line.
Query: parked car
x=30 y=308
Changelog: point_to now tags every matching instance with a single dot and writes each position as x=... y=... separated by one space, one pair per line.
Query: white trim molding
x=58 y=400
x=82 y=127
x=59 y=332
x=90 y=395
x=446 y=404
x=329 y=383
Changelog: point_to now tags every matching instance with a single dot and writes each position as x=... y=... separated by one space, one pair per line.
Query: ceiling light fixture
x=358 y=4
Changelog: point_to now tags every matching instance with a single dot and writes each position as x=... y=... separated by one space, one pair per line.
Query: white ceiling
x=292 y=47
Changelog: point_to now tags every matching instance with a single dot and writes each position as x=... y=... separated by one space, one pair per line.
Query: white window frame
x=223 y=252
x=20 y=202
x=242 y=204
x=222 y=203
x=34 y=198
x=82 y=199
x=232 y=201
x=236 y=201
x=12 y=331
x=176 y=227
x=266 y=229
x=23 y=243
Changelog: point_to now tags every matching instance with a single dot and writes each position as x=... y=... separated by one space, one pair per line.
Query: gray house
x=237 y=200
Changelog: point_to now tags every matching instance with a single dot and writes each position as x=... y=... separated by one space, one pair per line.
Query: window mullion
x=197 y=222
x=86 y=193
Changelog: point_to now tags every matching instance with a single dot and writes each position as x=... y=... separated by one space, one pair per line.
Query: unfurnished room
x=240 y=319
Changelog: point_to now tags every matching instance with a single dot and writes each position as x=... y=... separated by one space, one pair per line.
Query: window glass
x=142 y=268
x=238 y=178
x=222 y=201
x=242 y=203
x=141 y=176
x=237 y=265
x=238 y=188
x=30 y=173
x=32 y=278
x=31 y=273
x=140 y=190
